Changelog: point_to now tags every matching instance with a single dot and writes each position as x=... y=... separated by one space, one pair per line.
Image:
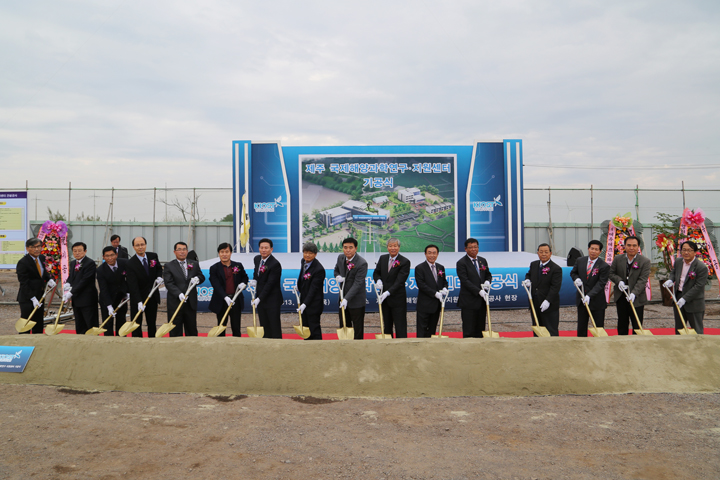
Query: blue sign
x=14 y=359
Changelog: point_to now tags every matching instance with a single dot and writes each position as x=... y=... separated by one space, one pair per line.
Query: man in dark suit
x=120 y=251
x=112 y=280
x=83 y=292
x=178 y=274
x=689 y=278
x=350 y=272
x=144 y=270
x=225 y=277
x=391 y=272
x=544 y=280
x=630 y=272
x=268 y=297
x=591 y=274
x=310 y=285
x=474 y=274
x=33 y=276
x=432 y=285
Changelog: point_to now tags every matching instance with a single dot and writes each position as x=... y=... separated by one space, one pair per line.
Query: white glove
x=194 y=281
x=256 y=302
x=141 y=307
x=379 y=284
x=631 y=298
x=383 y=297
x=486 y=284
x=51 y=283
x=35 y=302
x=127 y=297
x=301 y=308
x=252 y=283
x=343 y=304
x=339 y=279
x=444 y=291
x=181 y=297
x=544 y=306
x=111 y=311
x=622 y=286
x=484 y=295
x=159 y=280
x=586 y=300
x=67 y=287
x=229 y=301
x=681 y=302
x=242 y=286
x=668 y=284
x=578 y=282
x=439 y=295
x=526 y=283
x=67 y=296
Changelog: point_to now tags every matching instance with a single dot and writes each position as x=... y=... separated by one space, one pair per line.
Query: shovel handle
x=678 y=309
x=342 y=297
x=532 y=305
x=582 y=294
x=382 y=321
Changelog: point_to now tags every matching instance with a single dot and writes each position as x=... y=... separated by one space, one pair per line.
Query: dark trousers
x=427 y=323
x=269 y=317
x=549 y=319
x=26 y=309
x=113 y=325
x=625 y=315
x=185 y=321
x=354 y=318
x=397 y=317
x=150 y=315
x=473 y=321
x=693 y=320
x=312 y=321
x=233 y=320
x=85 y=318
x=584 y=319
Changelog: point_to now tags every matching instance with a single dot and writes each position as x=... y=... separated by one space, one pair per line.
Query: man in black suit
x=630 y=272
x=474 y=274
x=310 y=285
x=432 y=285
x=225 y=277
x=350 y=272
x=120 y=251
x=688 y=279
x=144 y=270
x=544 y=280
x=83 y=292
x=591 y=274
x=268 y=297
x=33 y=276
x=112 y=280
x=178 y=274
x=391 y=272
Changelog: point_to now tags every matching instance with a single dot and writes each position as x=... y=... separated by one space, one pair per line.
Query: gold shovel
x=685 y=330
x=344 y=333
x=55 y=328
x=537 y=329
x=442 y=316
x=166 y=328
x=215 y=331
x=129 y=327
x=641 y=330
x=255 y=331
x=382 y=334
x=489 y=333
x=304 y=332
x=595 y=330
x=23 y=325
x=98 y=330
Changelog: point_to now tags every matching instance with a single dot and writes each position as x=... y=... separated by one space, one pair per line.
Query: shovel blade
x=489 y=334
x=128 y=328
x=54 y=329
x=23 y=325
x=164 y=330
x=215 y=331
x=643 y=332
x=598 y=332
x=256 y=332
x=383 y=336
x=346 y=333
x=689 y=331
x=439 y=336
x=541 y=331
x=304 y=332
x=95 y=331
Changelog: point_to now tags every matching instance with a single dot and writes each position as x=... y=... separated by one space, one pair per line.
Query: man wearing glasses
x=33 y=276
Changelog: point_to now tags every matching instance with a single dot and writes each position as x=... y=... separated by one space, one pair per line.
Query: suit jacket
x=176 y=283
x=694 y=287
x=268 y=282
x=471 y=282
x=393 y=279
x=113 y=285
x=354 y=286
x=84 y=292
x=32 y=284
x=217 y=280
x=545 y=286
x=637 y=280
x=139 y=282
x=122 y=252
x=428 y=287
x=311 y=288
x=594 y=284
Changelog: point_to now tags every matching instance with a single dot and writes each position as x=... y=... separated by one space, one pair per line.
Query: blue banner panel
x=487 y=198
x=14 y=359
x=270 y=201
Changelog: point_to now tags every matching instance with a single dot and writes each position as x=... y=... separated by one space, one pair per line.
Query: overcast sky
x=126 y=93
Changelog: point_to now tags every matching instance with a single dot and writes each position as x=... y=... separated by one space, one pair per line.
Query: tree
x=89 y=218
x=56 y=216
x=227 y=218
x=187 y=208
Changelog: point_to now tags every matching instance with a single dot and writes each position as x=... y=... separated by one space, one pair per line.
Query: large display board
x=13 y=227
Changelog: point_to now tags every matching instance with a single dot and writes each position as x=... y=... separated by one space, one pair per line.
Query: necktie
x=307 y=265
x=114 y=267
x=37 y=262
x=589 y=268
x=145 y=265
x=184 y=268
x=432 y=267
x=390 y=262
x=477 y=267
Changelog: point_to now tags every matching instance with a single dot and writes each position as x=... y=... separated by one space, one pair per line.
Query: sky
x=130 y=94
